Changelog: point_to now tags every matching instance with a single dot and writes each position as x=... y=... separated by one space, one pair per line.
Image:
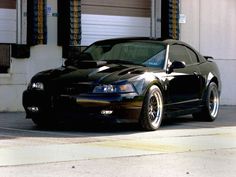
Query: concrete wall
x=211 y=28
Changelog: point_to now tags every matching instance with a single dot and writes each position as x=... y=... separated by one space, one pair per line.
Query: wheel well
x=156 y=84
x=159 y=86
x=215 y=80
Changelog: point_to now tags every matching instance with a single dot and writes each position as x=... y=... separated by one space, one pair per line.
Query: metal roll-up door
x=111 y=19
x=8 y=21
x=7 y=32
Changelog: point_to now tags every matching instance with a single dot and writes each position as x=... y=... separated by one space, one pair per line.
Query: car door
x=184 y=84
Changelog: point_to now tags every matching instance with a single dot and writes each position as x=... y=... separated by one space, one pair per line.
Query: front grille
x=73 y=89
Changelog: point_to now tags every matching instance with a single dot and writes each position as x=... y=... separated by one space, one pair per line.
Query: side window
x=192 y=55
x=157 y=60
x=179 y=53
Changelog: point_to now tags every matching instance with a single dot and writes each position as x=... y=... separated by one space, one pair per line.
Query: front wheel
x=211 y=105
x=152 y=110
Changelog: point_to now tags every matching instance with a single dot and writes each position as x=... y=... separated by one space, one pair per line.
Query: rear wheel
x=152 y=110
x=211 y=105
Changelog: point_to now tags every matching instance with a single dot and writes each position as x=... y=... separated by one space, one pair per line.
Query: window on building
x=4 y=58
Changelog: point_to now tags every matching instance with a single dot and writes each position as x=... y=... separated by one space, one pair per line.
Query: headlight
x=125 y=88
x=36 y=86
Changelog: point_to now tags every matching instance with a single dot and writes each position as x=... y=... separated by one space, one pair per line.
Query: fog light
x=33 y=109
x=106 y=112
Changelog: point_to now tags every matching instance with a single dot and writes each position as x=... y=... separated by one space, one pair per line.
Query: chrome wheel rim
x=214 y=102
x=155 y=109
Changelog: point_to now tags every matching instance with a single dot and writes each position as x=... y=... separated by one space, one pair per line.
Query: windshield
x=148 y=53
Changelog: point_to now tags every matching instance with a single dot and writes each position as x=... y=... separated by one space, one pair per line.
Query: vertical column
x=23 y=21
x=75 y=32
x=36 y=22
x=21 y=12
x=40 y=22
x=174 y=19
x=170 y=19
x=69 y=27
x=21 y=49
x=156 y=19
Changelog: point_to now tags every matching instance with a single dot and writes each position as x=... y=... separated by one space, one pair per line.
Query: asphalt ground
x=181 y=147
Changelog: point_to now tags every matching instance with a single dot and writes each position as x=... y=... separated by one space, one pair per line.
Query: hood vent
x=131 y=71
x=90 y=64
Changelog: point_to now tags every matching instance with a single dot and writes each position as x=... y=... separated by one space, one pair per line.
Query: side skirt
x=177 y=113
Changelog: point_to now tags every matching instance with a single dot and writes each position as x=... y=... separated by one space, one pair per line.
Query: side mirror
x=176 y=65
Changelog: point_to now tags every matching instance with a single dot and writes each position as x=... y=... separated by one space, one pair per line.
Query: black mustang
x=127 y=80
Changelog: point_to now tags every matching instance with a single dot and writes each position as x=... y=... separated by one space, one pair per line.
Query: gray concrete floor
x=181 y=147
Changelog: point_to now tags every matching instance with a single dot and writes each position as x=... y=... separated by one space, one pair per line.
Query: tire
x=211 y=105
x=152 y=110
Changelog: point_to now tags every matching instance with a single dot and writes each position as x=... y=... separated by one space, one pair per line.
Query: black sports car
x=127 y=80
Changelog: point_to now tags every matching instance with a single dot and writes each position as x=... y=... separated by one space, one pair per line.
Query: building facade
x=211 y=28
x=29 y=45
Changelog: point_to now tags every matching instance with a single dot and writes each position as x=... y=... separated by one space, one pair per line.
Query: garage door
x=110 y=19
x=8 y=21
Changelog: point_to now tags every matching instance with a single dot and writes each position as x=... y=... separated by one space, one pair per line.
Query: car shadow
x=108 y=128
x=16 y=125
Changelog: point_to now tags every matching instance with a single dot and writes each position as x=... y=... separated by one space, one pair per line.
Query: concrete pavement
x=182 y=147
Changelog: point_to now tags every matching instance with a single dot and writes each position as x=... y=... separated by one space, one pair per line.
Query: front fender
x=145 y=81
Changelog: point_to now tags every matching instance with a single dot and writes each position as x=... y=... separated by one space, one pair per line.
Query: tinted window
x=157 y=60
x=179 y=53
x=193 y=55
x=150 y=54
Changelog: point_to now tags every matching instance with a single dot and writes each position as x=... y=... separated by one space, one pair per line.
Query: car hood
x=110 y=73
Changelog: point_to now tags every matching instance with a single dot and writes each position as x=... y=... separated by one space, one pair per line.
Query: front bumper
x=113 y=107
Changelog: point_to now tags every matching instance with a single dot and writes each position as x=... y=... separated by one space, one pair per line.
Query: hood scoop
x=90 y=64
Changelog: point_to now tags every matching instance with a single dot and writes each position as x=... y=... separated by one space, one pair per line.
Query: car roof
x=162 y=40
